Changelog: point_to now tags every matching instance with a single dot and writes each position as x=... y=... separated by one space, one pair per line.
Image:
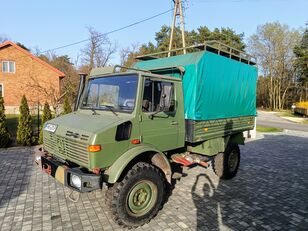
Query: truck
x=131 y=126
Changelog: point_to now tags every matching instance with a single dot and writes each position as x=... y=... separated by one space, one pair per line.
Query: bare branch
x=98 y=51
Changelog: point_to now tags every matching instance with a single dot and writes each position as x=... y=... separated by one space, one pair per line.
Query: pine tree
x=66 y=107
x=4 y=134
x=45 y=117
x=24 y=129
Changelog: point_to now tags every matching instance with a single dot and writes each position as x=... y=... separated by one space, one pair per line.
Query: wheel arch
x=146 y=153
x=237 y=138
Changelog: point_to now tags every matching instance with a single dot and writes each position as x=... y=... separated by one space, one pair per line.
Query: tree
x=66 y=107
x=126 y=58
x=70 y=83
x=4 y=134
x=301 y=63
x=44 y=87
x=273 y=45
x=98 y=51
x=71 y=80
x=194 y=37
x=224 y=35
x=24 y=129
x=262 y=92
x=45 y=117
x=22 y=46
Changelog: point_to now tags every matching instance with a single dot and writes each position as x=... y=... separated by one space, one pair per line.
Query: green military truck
x=129 y=127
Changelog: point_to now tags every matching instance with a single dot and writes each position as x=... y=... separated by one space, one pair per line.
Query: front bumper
x=64 y=174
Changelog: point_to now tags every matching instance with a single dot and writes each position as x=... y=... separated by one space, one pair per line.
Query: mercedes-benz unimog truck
x=130 y=126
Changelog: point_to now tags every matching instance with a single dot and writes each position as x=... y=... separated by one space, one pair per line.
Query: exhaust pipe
x=82 y=83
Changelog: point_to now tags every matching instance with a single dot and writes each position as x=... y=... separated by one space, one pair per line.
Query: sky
x=46 y=25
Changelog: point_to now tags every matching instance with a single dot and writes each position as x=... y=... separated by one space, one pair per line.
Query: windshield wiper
x=111 y=108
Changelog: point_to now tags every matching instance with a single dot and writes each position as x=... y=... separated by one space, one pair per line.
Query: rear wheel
x=138 y=197
x=225 y=165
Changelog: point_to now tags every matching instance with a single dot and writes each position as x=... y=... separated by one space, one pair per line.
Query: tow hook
x=47 y=168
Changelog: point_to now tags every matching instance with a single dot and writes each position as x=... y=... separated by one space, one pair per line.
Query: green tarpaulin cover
x=215 y=87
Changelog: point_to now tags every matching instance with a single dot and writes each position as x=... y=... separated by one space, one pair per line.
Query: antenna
x=178 y=11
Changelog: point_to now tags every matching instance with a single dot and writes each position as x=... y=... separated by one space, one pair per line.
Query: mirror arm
x=154 y=113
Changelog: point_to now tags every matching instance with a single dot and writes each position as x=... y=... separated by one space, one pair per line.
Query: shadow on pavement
x=270 y=191
x=16 y=165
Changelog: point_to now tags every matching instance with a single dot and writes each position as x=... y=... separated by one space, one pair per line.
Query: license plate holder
x=53 y=169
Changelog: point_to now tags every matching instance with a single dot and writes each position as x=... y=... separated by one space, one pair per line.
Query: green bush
x=24 y=130
x=4 y=134
x=45 y=117
x=66 y=107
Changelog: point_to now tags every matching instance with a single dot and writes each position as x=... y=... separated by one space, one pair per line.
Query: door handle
x=174 y=123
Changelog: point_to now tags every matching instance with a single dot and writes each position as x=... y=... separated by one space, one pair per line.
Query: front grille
x=66 y=148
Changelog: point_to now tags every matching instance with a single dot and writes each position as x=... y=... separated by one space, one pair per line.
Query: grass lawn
x=268 y=129
x=289 y=114
x=12 y=123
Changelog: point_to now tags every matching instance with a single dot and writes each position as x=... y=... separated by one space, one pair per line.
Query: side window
x=12 y=67
x=156 y=95
x=148 y=99
x=8 y=66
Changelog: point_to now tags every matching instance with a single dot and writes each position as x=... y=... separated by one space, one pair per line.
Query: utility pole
x=178 y=11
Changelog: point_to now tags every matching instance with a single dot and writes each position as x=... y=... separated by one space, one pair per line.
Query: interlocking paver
x=269 y=193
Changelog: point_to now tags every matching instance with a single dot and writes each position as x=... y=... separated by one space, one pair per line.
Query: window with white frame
x=1 y=90
x=8 y=66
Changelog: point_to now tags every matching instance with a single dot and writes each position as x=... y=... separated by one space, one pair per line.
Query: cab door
x=159 y=124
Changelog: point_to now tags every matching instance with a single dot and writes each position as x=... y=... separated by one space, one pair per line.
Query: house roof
x=27 y=53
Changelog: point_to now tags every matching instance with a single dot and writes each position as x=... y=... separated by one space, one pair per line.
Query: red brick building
x=22 y=73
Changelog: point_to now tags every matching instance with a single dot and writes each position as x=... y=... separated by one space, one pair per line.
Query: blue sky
x=50 y=24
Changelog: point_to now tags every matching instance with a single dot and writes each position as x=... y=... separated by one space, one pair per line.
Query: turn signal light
x=135 y=141
x=94 y=148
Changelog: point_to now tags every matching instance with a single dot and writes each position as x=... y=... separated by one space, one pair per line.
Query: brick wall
x=31 y=78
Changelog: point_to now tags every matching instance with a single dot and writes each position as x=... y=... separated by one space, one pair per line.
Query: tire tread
x=112 y=195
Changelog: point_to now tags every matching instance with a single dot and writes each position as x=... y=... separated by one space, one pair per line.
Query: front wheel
x=138 y=197
x=225 y=165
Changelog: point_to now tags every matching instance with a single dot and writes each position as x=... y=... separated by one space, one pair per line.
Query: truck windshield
x=115 y=92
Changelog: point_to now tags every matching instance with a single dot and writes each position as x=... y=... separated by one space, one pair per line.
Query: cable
x=101 y=35
x=110 y=32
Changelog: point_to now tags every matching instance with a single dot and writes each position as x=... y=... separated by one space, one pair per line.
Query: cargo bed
x=197 y=131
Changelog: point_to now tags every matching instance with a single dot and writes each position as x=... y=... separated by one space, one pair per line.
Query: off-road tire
x=117 y=196
x=221 y=162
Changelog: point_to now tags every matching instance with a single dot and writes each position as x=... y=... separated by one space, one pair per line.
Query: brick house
x=22 y=73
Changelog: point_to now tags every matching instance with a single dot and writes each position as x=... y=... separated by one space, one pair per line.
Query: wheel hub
x=233 y=161
x=142 y=197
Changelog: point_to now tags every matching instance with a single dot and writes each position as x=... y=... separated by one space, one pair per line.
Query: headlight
x=76 y=181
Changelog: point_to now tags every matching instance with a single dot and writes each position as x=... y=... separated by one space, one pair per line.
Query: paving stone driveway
x=270 y=192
